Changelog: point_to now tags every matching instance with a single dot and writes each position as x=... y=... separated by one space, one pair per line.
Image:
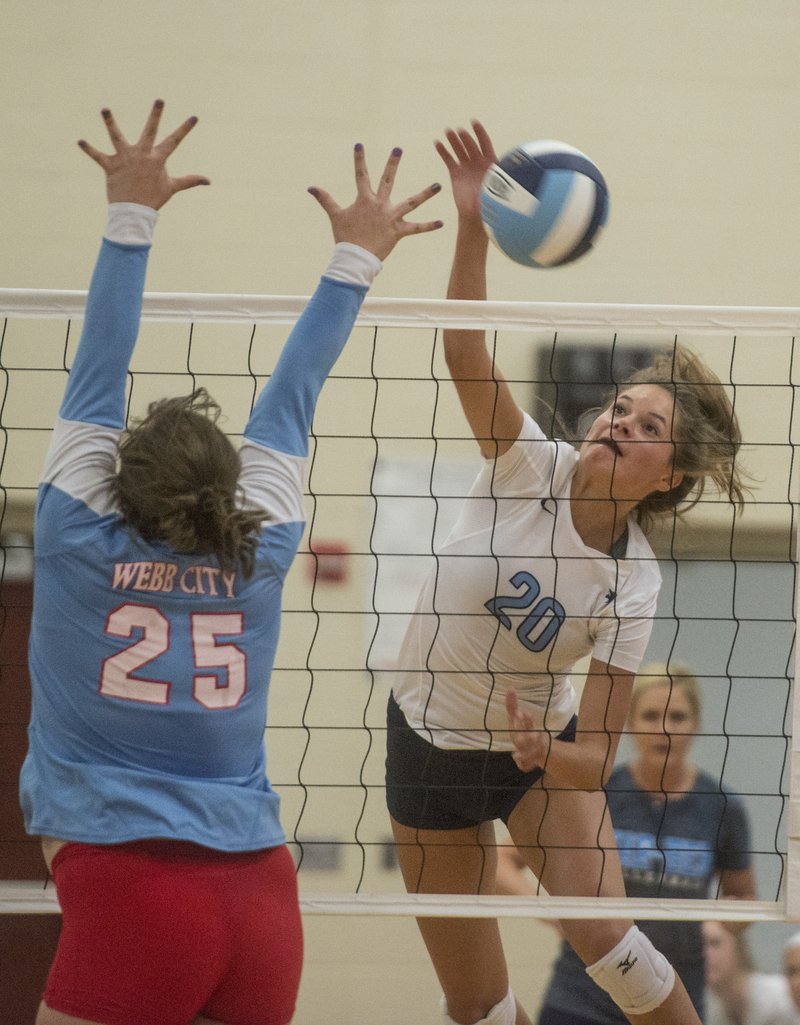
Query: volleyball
x=544 y=203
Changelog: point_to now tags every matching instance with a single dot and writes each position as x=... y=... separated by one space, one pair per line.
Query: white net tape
x=520 y=316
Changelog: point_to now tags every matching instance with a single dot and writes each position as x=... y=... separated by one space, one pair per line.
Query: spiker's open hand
x=468 y=158
x=136 y=172
x=531 y=742
x=372 y=221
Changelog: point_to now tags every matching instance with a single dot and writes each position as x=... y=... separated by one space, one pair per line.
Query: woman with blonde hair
x=680 y=835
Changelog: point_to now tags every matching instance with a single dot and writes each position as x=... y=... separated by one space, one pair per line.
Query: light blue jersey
x=150 y=670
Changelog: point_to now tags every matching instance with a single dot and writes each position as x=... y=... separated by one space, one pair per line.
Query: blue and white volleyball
x=544 y=203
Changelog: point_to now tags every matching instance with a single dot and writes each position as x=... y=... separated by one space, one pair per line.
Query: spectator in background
x=736 y=993
x=678 y=831
x=791 y=970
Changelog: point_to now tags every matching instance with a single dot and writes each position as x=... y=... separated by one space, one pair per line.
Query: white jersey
x=515 y=600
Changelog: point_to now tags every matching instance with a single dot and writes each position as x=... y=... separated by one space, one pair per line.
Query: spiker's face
x=629 y=449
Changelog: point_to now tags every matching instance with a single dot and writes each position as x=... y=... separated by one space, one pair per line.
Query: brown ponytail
x=177 y=482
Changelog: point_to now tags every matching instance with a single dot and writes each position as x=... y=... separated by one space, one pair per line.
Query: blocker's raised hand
x=372 y=221
x=136 y=172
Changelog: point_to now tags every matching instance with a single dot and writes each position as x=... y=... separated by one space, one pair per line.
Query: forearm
x=488 y=404
x=585 y=763
x=465 y=351
x=282 y=415
x=95 y=389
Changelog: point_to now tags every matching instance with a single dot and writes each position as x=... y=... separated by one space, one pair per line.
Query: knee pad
x=636 y=976
x=504 y=1013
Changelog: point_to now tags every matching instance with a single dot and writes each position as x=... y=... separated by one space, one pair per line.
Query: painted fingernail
x=105 y=112
x=438 y=224
x=313 y=190
x=436 y=187
x=358 y=147
x=159 y=104
x=193 y=119
x=397 y=152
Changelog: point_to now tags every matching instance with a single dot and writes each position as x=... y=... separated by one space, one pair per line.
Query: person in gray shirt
x=680 y=834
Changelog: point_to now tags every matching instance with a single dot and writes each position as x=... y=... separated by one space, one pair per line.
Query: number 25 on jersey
x=150 y=630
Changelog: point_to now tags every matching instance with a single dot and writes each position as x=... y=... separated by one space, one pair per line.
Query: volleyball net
x=391 y=460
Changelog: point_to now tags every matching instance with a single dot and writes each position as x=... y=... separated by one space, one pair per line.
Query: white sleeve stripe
x=273 y=481
x=353 y=265
x=81 y=460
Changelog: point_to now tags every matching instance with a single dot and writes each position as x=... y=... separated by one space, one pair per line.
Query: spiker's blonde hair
x=705 y=434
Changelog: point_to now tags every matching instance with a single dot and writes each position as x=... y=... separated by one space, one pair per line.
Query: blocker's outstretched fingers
x=150 y=130
x=372 y=221
x=389 y=173
x=95 y=154
x=418 y=199
x=362 y=174
x=173 y=140
x=118 y=140
x=138 y=173
x=189 y=181
x=325 y=200
x=418 y=227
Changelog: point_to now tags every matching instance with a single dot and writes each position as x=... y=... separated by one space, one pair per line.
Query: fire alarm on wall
x=328 y=562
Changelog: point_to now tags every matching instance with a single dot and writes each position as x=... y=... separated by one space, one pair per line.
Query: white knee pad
x=504 y=1013
x=636 y=976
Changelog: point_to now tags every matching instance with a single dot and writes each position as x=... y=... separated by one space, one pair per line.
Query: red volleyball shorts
x=157 y=932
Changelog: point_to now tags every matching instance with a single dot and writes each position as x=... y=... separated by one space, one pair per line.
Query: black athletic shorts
x=429 y=787
x=552 y=1016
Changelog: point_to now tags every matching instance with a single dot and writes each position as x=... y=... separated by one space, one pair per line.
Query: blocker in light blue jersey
x=150 y=669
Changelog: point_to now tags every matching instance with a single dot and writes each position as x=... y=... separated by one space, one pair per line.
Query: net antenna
x=391 y=458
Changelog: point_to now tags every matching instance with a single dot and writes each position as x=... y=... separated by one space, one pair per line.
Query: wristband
x=130 y=224
x=353 y=265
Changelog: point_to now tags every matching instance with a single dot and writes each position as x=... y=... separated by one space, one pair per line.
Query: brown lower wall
x=27 y=942
x=27 y=946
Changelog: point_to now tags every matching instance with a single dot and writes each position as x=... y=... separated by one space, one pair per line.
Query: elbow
x=602 y=758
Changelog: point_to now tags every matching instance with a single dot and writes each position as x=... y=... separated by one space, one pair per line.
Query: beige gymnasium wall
x=689 y=107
